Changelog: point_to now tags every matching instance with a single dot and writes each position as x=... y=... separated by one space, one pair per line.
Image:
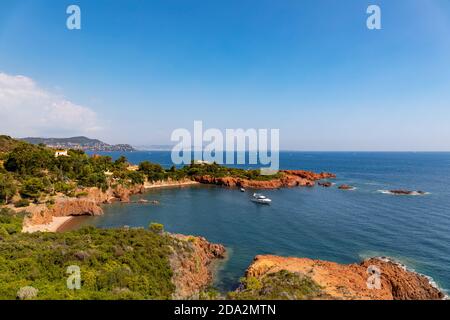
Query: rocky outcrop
x=192 y=262
x=169 y=183
x=42 y=214
x=123 y=193
x=310 y=175
x=406 y=192
x=350 y=282
x=326 y=184
x=346 y=187
x=88 y=203
x=288 y=178
x=75 y=207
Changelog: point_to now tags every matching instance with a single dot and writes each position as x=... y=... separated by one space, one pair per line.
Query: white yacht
x=259 y=198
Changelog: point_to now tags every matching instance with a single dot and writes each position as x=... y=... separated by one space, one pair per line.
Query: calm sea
x=319 y=223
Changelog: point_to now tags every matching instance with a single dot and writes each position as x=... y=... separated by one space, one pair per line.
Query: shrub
x=281 y=285
x=32 y=188
x=27 y=293
x=156 y=227
x=22 y=203
x=7 y=187
x=10 y=221
x=136 y=177
x=64 y=187
x=81 y=194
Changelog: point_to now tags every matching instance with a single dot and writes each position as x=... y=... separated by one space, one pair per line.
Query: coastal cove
x=344 y=226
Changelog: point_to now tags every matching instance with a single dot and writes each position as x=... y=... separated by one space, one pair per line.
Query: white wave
x=413 y=193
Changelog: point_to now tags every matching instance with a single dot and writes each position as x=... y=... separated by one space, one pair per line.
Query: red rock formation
x=289 y=178
x=75 y=207
x=309 y=175
x=123 y=193
x=325 y=184
x=89 y=204
x=193 y=268
x=350 y=281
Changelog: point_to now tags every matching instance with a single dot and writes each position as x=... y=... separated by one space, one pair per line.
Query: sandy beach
x=53 y=226
x=165 y=184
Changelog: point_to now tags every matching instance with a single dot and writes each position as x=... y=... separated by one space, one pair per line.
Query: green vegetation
x=209 y=293
x=34 y=173
x=8 y=187
x=282 y=285
x=10 y=223
x=218 y=171
x=33 y=187
x=114 y=263
x=7 y=144
x=155 y=172
x=156 y=227
x=22 y=203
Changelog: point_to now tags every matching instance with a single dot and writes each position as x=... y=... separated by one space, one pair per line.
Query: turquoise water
x=319 y=223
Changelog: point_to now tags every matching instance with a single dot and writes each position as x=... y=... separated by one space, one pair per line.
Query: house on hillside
x=202 y=162
x=61 y=153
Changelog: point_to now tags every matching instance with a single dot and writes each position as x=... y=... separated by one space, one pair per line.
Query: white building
x=61 y=153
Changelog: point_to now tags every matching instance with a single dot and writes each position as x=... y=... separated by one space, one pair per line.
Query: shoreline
x=56 y=224
x=166 y=184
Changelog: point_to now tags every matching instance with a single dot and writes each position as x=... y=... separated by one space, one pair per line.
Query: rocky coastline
x=89 y=201
x=350 y=282
x=193 y=258
x=287 y=179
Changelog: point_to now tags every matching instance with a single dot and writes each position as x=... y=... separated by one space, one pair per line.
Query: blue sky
x=139 y=69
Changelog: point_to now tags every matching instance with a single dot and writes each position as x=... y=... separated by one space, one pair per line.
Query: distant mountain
x=82 y=143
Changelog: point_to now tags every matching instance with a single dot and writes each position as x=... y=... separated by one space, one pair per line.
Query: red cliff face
x=309 y=175
x=289 y=178
x=89 y=204
x=192 y=265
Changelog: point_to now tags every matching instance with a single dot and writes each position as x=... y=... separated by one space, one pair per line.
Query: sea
x=345 y=226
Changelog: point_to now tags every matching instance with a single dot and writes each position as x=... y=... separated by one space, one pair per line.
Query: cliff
x=288 y=178
x=349 y=282
x=192 y=262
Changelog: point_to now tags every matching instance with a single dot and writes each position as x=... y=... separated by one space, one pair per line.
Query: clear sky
x=139 y=69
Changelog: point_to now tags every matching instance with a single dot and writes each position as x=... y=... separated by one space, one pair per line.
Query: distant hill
x=7 y=143
x=81 y=142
